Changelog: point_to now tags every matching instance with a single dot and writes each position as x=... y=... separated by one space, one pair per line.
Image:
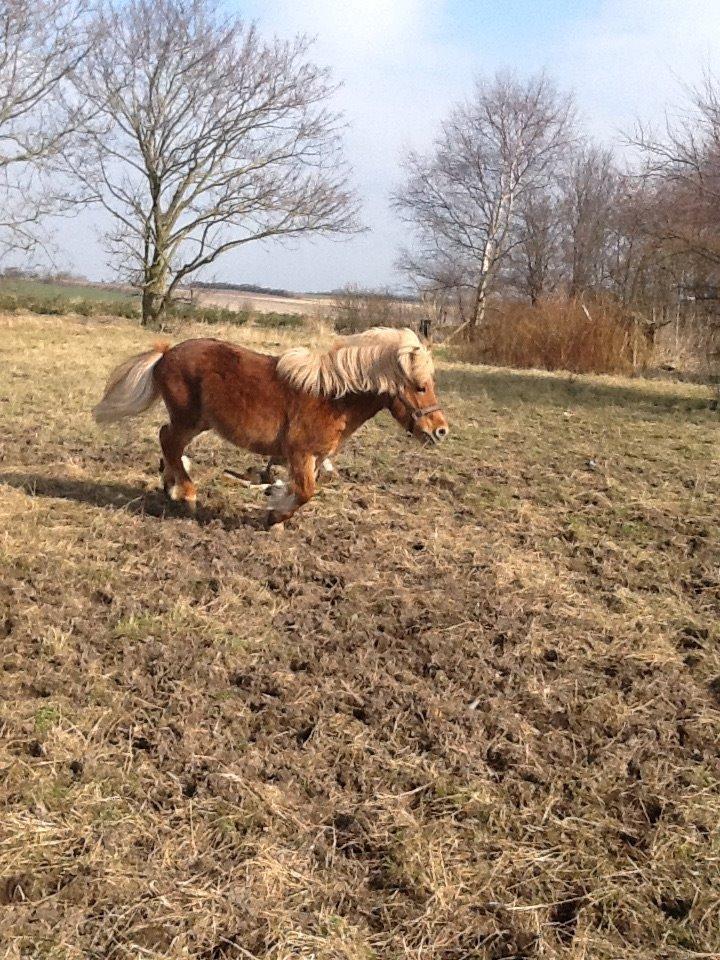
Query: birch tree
x=206 y=137
x=464 y=198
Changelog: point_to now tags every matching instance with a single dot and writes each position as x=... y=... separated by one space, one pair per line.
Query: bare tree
x=206 y=138
x=589 y=204
x=465 y=199
x=536 y=265
x=41 y=44
x=684 y=163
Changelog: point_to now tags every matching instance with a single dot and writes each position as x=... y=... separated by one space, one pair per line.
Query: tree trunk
x=154 y=292
x=478 y=312
x=480 y=304
x=153 y=307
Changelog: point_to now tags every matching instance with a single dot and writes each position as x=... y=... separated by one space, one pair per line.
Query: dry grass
x=559 y=334
x=465 y=706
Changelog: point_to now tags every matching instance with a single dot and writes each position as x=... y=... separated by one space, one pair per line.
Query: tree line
x=513 y=199
x=196 y=135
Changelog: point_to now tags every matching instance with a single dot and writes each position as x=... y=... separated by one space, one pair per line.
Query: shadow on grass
x=121 y=496
x=525 y=386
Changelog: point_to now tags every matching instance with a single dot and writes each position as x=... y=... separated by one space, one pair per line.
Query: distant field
x=466 y=706
x=47 y=290
x=263 y=303
x=228 y=299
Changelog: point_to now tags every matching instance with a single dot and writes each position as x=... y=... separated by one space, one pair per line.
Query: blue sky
x=404 y=63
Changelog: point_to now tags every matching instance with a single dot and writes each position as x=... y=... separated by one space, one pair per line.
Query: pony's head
x=415 y=404
x=383 y=361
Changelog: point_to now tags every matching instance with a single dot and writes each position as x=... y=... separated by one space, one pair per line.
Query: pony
x=296 y=409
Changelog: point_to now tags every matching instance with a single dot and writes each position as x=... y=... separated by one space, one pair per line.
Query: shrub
x=559 y=334
x=355 y=310
x=283 y=321
x=8 y=302
x=121 y=308
x=48 y=306
x=208 y=314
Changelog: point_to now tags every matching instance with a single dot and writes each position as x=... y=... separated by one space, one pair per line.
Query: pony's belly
x=265 y=442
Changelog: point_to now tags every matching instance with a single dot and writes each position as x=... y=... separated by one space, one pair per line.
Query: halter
x=417 y=413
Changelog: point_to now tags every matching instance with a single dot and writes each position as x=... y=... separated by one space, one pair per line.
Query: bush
x=8 y=302
x=209 y=314
x=47 y=306
x=110 y=308
x=355 y=310
x=282 y=321
x=559 y=334
x=121 y=308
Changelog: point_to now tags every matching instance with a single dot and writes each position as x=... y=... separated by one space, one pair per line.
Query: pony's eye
x=421 y=389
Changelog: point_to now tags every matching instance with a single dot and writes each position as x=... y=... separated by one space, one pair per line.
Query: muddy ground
x=466 y=705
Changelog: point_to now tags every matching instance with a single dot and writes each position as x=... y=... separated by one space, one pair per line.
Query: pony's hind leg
x=324 y=468
x=267 y=474
x=284 y=501
x=174 y=465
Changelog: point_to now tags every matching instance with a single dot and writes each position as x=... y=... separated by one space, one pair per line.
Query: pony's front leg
x=285 y=500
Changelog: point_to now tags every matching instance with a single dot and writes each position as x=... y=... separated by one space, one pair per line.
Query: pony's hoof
x=274 y=519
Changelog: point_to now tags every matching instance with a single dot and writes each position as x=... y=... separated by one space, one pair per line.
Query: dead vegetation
x=466 y=706
x=557 y=333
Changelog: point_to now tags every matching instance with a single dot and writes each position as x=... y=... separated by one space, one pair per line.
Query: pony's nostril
x=441 y=433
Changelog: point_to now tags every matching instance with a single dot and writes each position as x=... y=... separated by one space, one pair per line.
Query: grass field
x=49 y=290
x=466 y=705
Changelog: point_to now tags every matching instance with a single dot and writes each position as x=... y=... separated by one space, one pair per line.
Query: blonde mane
x=379 y=360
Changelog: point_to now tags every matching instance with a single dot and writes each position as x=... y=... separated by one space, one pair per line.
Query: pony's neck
x=361 y=407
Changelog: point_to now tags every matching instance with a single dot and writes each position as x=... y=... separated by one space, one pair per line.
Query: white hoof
x=186 y=462
x=327 y=465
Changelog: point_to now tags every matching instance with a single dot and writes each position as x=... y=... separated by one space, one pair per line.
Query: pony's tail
x=131 y=388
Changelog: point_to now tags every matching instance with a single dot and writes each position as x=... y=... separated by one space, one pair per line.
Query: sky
x=403 y=64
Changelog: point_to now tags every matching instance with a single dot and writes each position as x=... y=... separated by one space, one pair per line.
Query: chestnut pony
x=297 y=408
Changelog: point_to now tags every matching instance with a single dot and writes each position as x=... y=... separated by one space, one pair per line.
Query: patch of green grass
x=46 y=717
x=39 y=290
x=55 y=299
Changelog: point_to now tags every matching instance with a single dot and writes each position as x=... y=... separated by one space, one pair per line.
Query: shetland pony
x=297 y=408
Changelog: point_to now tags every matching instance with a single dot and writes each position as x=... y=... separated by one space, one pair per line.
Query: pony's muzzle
x=435 y=436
